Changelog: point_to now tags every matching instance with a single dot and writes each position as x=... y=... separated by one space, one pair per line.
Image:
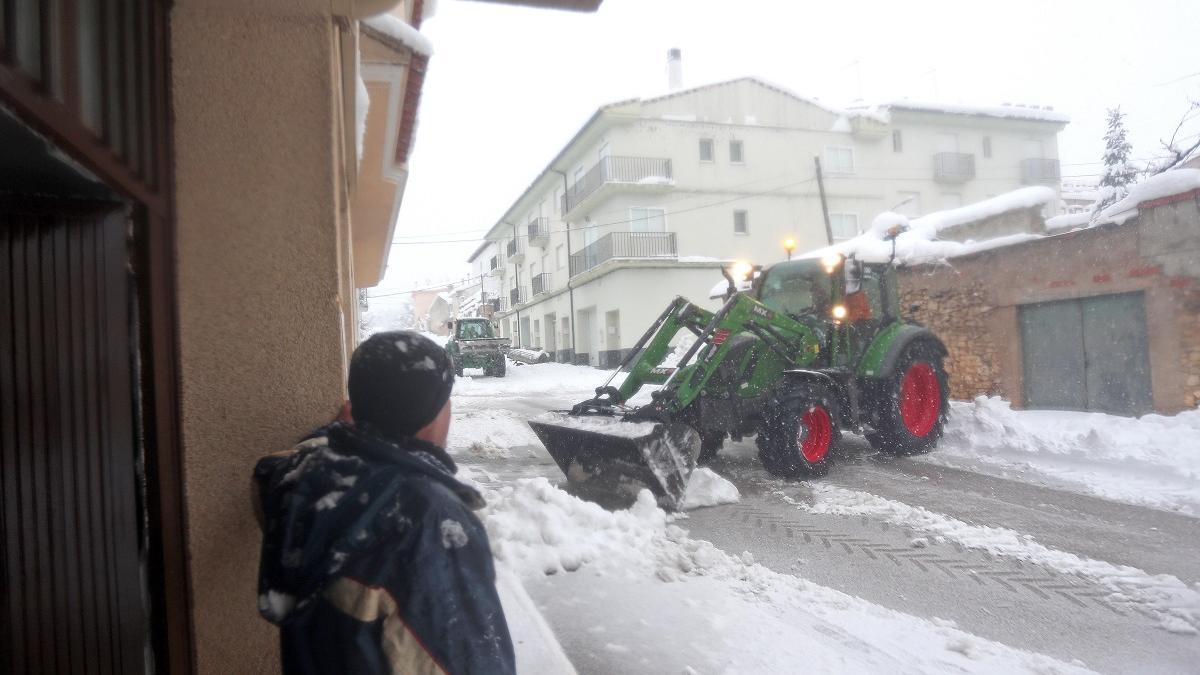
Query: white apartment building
x=652 y=196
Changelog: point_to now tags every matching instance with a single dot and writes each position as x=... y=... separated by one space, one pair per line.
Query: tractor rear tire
x=913 y=404
x=710 y=444
x=800 y=431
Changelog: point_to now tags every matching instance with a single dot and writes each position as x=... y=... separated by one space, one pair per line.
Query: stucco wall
x=260 y=326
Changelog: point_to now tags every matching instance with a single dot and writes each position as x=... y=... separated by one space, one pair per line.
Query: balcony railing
x=538 y=231
x=1036 y=170
x=953 y=167
x=629 y=170
x=515 y=250
x=515 y=297
x=624 y=245
x=541 y=284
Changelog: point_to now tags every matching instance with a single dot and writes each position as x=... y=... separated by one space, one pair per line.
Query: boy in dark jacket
x=372 y=560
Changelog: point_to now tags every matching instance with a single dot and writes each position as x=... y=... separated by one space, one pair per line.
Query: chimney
x=674 y=69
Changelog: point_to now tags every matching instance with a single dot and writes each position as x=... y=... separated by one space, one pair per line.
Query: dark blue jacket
x=373 y=562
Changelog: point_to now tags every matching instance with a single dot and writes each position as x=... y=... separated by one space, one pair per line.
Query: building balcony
x=624 y=245
x=953 y=167
x=496 y=266
x=515 y=250
x=542 y=284
x=1036 y=170
x=538 y=231
x=638 y=172
x=515 y=297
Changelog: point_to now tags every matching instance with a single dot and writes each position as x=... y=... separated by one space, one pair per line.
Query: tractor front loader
x=815 y=347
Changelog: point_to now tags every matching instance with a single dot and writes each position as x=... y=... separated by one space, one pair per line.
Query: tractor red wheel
x=920 y=399
x=799 y=430
x=815 y=434
x=909 y=408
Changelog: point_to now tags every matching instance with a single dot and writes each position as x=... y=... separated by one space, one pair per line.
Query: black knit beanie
x=399 y=381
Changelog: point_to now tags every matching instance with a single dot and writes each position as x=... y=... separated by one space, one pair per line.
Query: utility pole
x=824 y=205
x=570 y=289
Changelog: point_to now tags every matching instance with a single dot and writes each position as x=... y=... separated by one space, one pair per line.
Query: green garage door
x=1087 y=354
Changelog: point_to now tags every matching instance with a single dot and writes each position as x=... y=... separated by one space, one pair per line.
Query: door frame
x=151 y=197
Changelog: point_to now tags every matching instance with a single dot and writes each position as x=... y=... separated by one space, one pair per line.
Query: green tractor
x=813 y=347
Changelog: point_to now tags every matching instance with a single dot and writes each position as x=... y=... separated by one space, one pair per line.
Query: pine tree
x=1118 y=172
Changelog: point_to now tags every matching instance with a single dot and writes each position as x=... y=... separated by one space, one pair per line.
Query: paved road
x=1020 y=604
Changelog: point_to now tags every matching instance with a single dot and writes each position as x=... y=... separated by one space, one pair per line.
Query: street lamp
x=789 y=245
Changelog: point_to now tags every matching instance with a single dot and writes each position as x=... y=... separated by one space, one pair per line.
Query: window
x=839 y=160
x=843 y=225
x=604 y=151
x=706 y=149
x=537 y=333
x=987 y=146
x=897 y=141
x=558 y=201
x=560 y=252
x=741 y=222
x=647 y=220
x=735 y=152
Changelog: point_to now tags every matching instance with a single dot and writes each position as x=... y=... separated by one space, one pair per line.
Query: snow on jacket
x=372 y=561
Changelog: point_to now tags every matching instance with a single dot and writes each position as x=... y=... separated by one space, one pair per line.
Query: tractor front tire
x=498 y=371
x=799 y=432
x=912 y=404
x=710 y=444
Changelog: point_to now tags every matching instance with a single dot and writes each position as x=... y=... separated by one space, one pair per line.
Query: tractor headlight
x=741 y=270
x=831 y=261
x=839 y=312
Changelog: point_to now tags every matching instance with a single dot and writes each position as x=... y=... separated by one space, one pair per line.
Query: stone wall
x=959 y=315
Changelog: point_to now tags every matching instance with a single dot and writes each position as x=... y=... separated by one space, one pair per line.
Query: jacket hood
x=337 y=497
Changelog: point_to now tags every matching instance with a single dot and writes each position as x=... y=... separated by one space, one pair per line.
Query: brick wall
x=973 y=302
x=1190 y=337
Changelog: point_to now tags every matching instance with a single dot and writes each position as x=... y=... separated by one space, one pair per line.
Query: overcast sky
x=508 y=86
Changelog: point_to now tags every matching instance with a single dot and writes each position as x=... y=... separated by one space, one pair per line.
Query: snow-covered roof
x=1166 y=184
x=920 y=242
x=393 y=27
x=1068 y=221
x=1036 y=113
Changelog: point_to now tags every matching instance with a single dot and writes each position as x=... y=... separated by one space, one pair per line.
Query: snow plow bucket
x=603 y=454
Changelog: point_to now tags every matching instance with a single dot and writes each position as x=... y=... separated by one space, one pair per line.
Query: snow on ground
x=1176 y=604
x=1150 y=461
x=739 y=616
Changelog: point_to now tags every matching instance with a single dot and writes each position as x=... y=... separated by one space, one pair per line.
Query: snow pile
x=1176 y=604
x=707 y=488
x=1023 y=198
x=490 y=433
x=1166 y=184
x=1068 y=221
x=396 y=29
x=732 y=615
x=1151 y=461
x=921 y=244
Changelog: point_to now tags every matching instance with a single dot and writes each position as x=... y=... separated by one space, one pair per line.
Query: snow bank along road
x=990 y=555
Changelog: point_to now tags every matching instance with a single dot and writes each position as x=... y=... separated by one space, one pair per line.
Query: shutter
x=71 y=597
